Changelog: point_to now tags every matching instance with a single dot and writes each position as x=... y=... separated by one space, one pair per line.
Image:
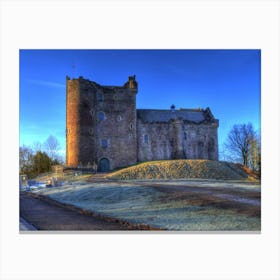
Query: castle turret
x=132 y=84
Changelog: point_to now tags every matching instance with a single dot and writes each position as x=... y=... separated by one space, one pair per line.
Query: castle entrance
x=104 y=165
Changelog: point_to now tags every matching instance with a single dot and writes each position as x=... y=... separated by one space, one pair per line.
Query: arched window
x=101 y=116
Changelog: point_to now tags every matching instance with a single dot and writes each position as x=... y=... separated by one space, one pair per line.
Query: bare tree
x=52 y=146
x=254 y=159
x=25 y=159
x=37 y=146
x=240 y=142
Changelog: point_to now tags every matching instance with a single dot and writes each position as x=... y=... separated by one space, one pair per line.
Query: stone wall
x=176 y=140
x=200 y=141
x=116 y=134
x=154 y=141
x=72 y=122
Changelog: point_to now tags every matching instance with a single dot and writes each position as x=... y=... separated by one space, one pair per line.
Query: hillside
x=184 y=169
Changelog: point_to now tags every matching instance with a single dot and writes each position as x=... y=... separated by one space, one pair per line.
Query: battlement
x=131 y=84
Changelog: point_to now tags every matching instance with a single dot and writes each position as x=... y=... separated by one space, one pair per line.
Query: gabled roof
x=188 y=115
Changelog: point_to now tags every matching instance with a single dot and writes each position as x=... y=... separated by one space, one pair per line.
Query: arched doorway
x=104 y=165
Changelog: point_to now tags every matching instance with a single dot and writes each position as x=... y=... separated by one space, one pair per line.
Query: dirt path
x=241 y=201
x=46 y=214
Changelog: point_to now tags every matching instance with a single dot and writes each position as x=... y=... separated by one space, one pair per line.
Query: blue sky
x=227 y=81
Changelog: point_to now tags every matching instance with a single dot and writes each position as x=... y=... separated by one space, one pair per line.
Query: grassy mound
x=183 y=169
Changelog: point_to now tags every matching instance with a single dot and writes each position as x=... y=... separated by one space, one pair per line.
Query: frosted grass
x=140 y=204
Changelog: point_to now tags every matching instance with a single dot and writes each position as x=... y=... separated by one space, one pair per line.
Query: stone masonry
x=104 y=127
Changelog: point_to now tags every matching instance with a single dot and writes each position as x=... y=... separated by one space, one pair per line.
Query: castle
x=104 y=127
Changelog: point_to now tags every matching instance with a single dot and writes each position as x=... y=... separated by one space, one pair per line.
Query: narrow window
x=90 y=131
x=146 y=139
x=99 y=97
x=101 y=116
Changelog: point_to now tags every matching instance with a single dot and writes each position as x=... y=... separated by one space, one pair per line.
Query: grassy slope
x=183 y=169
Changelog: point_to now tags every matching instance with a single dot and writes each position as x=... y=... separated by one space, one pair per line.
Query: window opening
x=101 y=116
x=146 y=139
x=104 y=143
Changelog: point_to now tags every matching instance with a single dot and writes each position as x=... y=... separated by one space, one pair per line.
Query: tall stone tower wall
x=100 y=123
x=118 y=128
x=80 y=122
x=72 y=122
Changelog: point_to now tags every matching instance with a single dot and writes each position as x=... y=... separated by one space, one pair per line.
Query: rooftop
x=189 y=115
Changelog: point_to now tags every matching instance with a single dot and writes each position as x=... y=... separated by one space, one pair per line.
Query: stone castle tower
x=100 y=123
x=104 y=127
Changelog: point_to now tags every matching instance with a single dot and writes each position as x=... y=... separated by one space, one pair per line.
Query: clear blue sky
x=227 y=81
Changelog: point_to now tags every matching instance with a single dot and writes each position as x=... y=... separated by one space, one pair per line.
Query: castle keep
x=104 y=127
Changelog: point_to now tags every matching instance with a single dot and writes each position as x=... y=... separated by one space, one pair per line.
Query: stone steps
x=98 y=177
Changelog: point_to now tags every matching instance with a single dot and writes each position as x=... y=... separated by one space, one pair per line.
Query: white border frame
x=252 y=24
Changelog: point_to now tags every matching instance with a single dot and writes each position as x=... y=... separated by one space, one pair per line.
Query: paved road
x=47 y=215
x=25 y=226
